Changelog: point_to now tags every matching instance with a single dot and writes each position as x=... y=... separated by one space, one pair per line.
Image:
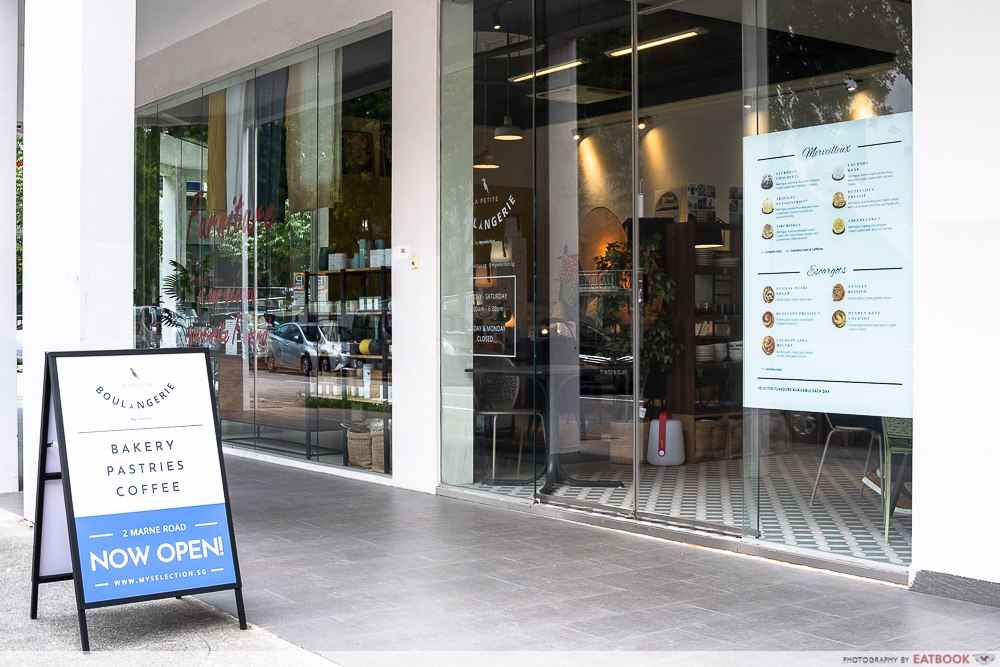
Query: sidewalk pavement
x=355 y=572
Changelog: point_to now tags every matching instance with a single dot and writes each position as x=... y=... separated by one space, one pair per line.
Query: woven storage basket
x=734 y=444
x=709 y=439
x=378 y=451
x=359 y=447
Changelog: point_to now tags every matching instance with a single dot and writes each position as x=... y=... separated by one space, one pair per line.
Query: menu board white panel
x=146 y=478
x=828 y=268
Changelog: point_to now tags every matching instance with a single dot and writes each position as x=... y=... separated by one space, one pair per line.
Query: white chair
x=848 y=430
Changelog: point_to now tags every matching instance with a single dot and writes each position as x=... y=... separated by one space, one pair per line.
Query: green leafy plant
x=614 y=307
x=184 y=285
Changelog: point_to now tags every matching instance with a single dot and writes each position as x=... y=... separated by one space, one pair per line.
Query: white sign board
x=146 y=482
x=829 y=268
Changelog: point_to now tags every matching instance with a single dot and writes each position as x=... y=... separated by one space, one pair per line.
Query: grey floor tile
x=377 y=568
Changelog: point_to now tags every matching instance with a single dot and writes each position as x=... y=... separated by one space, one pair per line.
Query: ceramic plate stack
x=704 y=353
x=736 y=350
x=727 y=262
x=719 y=350
x=703 y=256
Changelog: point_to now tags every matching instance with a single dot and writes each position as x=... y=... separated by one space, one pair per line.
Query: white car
x=303 y=345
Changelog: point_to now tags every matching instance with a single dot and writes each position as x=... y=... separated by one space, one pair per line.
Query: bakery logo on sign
x=506 y=207
x=135 y=393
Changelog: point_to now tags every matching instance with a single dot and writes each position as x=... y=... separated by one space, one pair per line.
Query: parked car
x=303 y=345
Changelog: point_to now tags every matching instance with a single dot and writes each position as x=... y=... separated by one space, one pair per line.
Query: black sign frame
x=52 y=399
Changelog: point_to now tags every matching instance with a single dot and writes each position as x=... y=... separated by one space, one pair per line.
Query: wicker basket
x=709 y=439
x=359 y=447
x=378 y=451
x=734 y=444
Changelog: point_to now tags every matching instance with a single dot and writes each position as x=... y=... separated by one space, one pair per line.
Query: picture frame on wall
x=358 y=152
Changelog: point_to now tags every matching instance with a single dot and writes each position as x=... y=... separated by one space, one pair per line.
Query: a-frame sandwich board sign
x=132 y=502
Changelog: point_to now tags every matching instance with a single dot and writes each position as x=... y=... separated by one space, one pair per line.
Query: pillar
x=79 y=116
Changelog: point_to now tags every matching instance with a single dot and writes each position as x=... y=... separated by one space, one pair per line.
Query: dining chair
x=898 y=439
x=496 y=395
x=848 y=430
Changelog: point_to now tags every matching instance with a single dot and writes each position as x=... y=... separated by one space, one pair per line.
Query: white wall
x=8 y=295
x=210 y=55
x=957 y=240
x=78 y=189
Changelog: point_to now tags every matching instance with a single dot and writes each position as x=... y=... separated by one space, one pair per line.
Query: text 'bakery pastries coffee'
x=767 y=345
x=839 y=226
x=839 y=200
x=838 y=292
x=839 y=319
x=768 y=294
x=768 y=319
x=768 y=231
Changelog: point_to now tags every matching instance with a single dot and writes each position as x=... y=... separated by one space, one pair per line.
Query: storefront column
x=79 y=116
x=8 y=296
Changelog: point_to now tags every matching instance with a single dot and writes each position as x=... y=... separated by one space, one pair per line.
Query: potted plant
x=614 y=307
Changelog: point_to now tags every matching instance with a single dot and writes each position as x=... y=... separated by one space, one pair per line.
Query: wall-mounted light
x=577 y=134
x=851 y=84
x=659 y=41
x=747 y=102
x=643 y=122
x=548 y=70
x=485 y=160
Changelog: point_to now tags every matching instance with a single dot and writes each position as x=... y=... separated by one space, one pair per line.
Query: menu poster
x=829 y=268
x=146 y=483
x=494 y=313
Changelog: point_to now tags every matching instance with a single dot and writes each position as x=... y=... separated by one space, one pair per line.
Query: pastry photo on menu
x=767 y=345
x=839 y=200
x=838 y=173
x=766 y=182
x=768 y=294
x=838 y=292
x=767 y=207
x=768 y=319
x=838 y=225
x=839 y=319
x=768 y=231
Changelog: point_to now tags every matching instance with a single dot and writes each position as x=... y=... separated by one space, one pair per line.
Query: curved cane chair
x=898 y=440
x=496 y=396
x=872 y=437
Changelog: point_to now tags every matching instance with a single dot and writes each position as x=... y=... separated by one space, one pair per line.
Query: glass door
x=584 y=315
x=689 y=153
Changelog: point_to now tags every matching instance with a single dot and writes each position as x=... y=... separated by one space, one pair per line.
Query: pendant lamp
x=508 y=131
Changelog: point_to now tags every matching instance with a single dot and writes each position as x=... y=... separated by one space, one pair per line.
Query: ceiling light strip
x=660 y=41
x=527 y=76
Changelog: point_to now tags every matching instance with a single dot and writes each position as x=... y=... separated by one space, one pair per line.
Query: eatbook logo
x=134 y=393
x=985 y=658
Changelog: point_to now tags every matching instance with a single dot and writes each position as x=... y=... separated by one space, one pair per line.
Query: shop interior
x=572 y=143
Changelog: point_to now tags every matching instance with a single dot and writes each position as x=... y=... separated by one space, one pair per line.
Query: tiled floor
x=840 y=521
x=335 y=564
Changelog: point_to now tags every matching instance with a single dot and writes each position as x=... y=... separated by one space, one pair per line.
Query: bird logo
x=486 y=186
x=134 y=374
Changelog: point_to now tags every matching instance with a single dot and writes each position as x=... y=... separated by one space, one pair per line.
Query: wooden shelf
x=367 y=269
x=717 y=318
x=717 y=364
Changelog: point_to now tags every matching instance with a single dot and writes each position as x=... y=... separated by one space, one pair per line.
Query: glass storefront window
x=263 y=231
x=613 y=159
